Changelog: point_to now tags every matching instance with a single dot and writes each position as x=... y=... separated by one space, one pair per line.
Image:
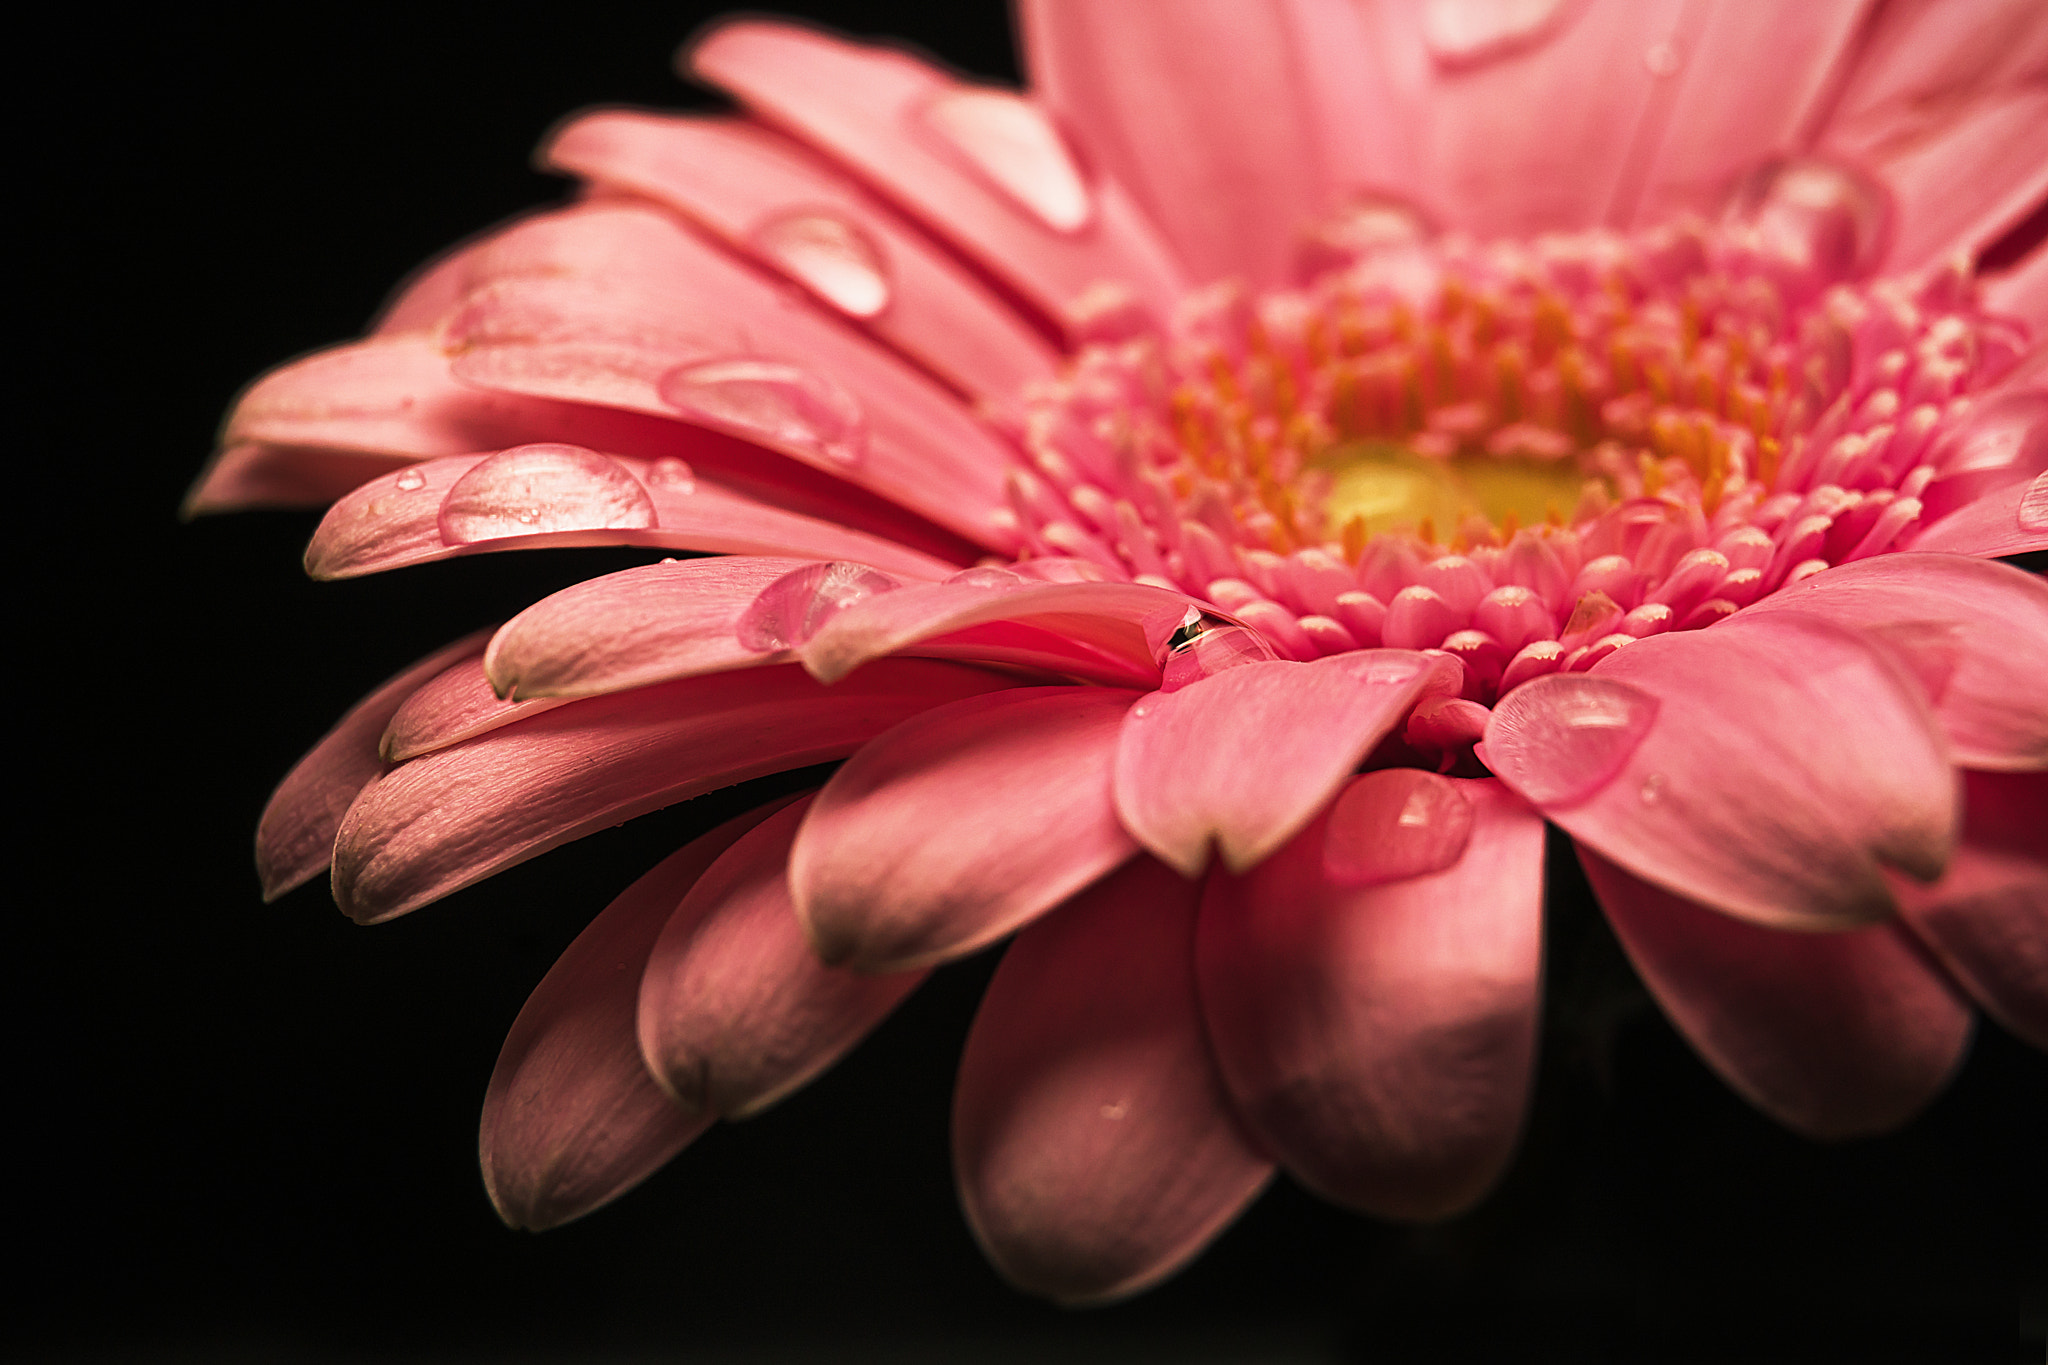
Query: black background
x=247 y=1132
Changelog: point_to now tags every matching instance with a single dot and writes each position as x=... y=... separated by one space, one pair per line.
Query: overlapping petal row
x=1220 y=505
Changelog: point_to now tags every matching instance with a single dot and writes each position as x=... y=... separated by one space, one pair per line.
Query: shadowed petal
x=2011 y=521
x=1094 y=1147
x=1834 y=1034
x=735 y=1011
x=1379 y=1039
x=457 y=704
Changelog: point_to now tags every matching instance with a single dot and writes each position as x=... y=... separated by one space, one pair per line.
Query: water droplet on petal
x=537 y=488
x=797 y=605
x=832 y=257
x=988 y=576
x=671 y=475
x=1009 y=141
x=1366 y=225
x=1393 y=824
x=1653 y=789
x=1662 y=59
x=410 y=481
x=1817 y=215
x=1205 y=644
x=1559 y=739
x=1468 y=32
x=773 y=402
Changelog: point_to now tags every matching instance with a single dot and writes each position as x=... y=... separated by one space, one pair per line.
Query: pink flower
x=1595 y=422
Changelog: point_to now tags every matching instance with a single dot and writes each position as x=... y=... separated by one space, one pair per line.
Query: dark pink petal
x=766 y=197
x=572 y=1120
x=1094 y=1146
x=295 y=838
x=1834 y=1034
x=2022 y=291
x=1993 y=622
x=735 y=1011
x=1783 y=763
x=632 y=628
x=1012 y=199
x=458 y=704
x=1987 y=918
x=455 y=816
x=1246 y=757
x=1960 y=188
x=960 y=825
x=2011 y=521
x=1379 y=1039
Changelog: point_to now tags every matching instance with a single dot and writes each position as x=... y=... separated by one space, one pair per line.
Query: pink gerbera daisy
x=1220 y=504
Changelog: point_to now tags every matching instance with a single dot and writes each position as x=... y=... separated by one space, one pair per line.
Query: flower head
x=1220 y=505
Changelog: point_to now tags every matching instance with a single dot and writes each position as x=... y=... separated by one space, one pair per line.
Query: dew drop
x=410 y=481
x=1011 y=144
x=832 y=257
x=988 y=576
x=1461 y=33
x=1559 y=739
x=1367 y=225
x=1393 y=824
x=771 y=401
x=1205 y=644
x=797 y=605
x=671 y=475
x=1652 y=790
x=543 y=488
x=1662 y=59
x=1817 y=215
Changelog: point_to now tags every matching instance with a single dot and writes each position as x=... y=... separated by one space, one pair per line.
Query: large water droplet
x=797 y=605
x=1393 y=824
x=1462 y=33
x=1559 y=739
x=833 y=258
x=1817 y=215
x=773 y=402
x=1205 y=644
x=531 y=489
x=1010 y=142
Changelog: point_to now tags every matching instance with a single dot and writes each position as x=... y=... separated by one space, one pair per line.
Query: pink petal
x=766 y=197
x=2010 y=521
x=295 y=838
x=1992 y=707
x=572 y=1120
x=1095 y=1149
x=1783 y=760
x=2021 y=291
x=1379 y=1040
x=459 y=704
x=1987 y=918
x=1247 y=756
x=396 y=520
x=454 y=817
x=1027 y=216
x=960 y=825
x=1833 y=1034
x=621 y=306
x=632 y=628
x=735 y=1011
x=251 y=475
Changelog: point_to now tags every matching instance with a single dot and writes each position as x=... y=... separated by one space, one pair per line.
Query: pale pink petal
x=396 y=520
x=622 y=306
x=251 y=475
x=455 y=816
x=572 y=1120
x=2011 y=521
x=1379 y=1039
x=1987 y=918
x=459 y=704
x=2021 y=291
x=1188 y=104
x=633 y=628
x=1246 y=757
x=960 y=825
x=423 y=297
x=1767 y=768
x=768 y=198
x=1833 y=1034
x=1924 y=64
x=1993 y=621
x=295 y=839
x=982 y=168
x=735 y=1011
x=1094 y=1146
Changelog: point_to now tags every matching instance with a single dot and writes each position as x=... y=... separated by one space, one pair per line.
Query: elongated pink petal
x=1379 y=1039
x=768 y=198
x=572 y=1120
x=632 y=628
x=1247 y=757
x=1993 y=620
x=1766 y=768
x=735 y=1012
x=2011 y=521
x=960 y=825
x=295 y=838
x=1833 y=1034
x=249 y=475
x=983 y=168
x=1095 y=1150
x=458 y=704
x=454 y=817
x=2022 y=291
x=624 y=307
x=1987 y=918
x=396 y=520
